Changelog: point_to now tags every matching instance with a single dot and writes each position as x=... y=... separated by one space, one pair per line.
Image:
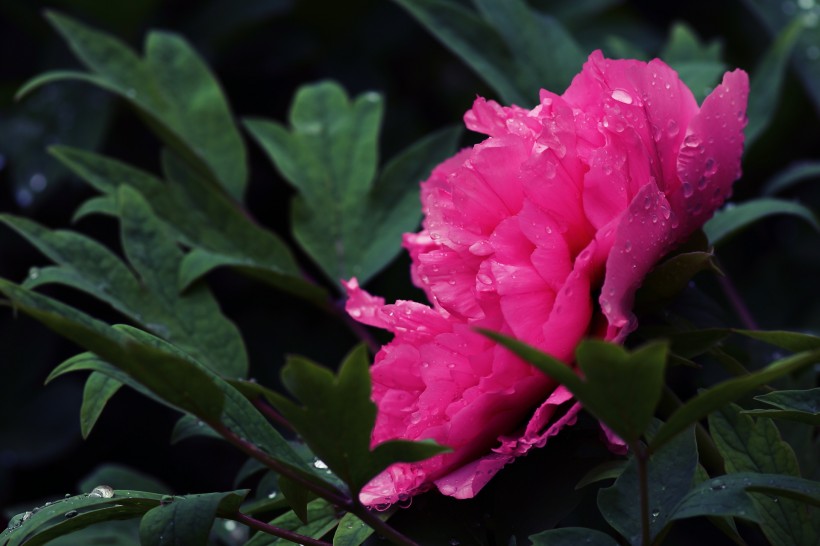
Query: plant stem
x=737 y=302
x=265 y=409
x=249 y=448
x=381 y=527
x=277 y=531
x=642 y=457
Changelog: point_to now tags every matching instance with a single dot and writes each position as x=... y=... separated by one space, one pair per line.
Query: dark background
x=262 y=50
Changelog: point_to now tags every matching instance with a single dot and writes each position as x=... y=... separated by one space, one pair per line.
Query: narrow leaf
x=793 y=174
x=99 y=389
x=730 y=220
x=351 y=531
x=321 y=519
x=572 y=536
x=709 y=400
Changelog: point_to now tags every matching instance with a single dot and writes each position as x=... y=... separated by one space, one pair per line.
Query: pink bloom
x=543 y=231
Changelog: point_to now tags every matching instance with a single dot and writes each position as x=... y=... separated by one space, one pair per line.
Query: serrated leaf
x=321 y=519
x=698 y=65
x=514 y=48
x=336 y=417
x=171 y=87
x=50 y=521
x=88 y=266
x=619 y=388
x=721 y=394
x=99 y=389
x=670 y=473
x=572 y=536
x=199 y=215
x=767 y=81
x=726 y=495
x=793 y=174
x=730 y=220
x=187 y=520
x=749 y=445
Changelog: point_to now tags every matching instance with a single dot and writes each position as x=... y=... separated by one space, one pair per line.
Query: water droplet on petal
x=656 y=133
x=687 y=189
x=692 y=141
x=481 y=248
x=672 y=128
x=628 y=247
x=355 y=313
x=622 y=95
x=710 y=166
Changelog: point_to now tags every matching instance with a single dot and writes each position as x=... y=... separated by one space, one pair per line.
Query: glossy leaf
x=66 y=515
x=321 y=518
x=619 y=388
x=721 y=394
x=336 y=417
x=793 y=174
x=730 y=220
x=515 y=49
x=189 y=426
x=749 y=445
x=698 y=65
x=171 y=87
x=670 y=277
x=99 y=389
x=572 y=536
x=802 y=406
x=670 y=474
x=187 y=520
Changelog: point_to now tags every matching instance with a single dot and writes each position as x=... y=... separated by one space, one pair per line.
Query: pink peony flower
x=543 y=231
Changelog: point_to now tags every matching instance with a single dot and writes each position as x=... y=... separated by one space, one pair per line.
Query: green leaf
x=794 y=173
x=749 y=445
x=336 y=418
x=732 y=219
x=171 y=87
x=193 y=319
x=698 y=65
x=767 y=81
x=572 y=536
x=619 y=388
x=160 y=368
x=545 y=55
x=477 y=43
x=66 y=515
x=351 y=531
x=670 y=473
x=608 y=470
x=200 y=216
x=120 y=476
x=726 y=495
x=88 y=266
x=514 y=48
x=349 y=223
x=99 y=389
x=297 y=497
x=791 y=341
x=187 y=520
x=321 y=519
x=189 y=426
x=798 y=405
x=669 y=278
x=721 y=394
